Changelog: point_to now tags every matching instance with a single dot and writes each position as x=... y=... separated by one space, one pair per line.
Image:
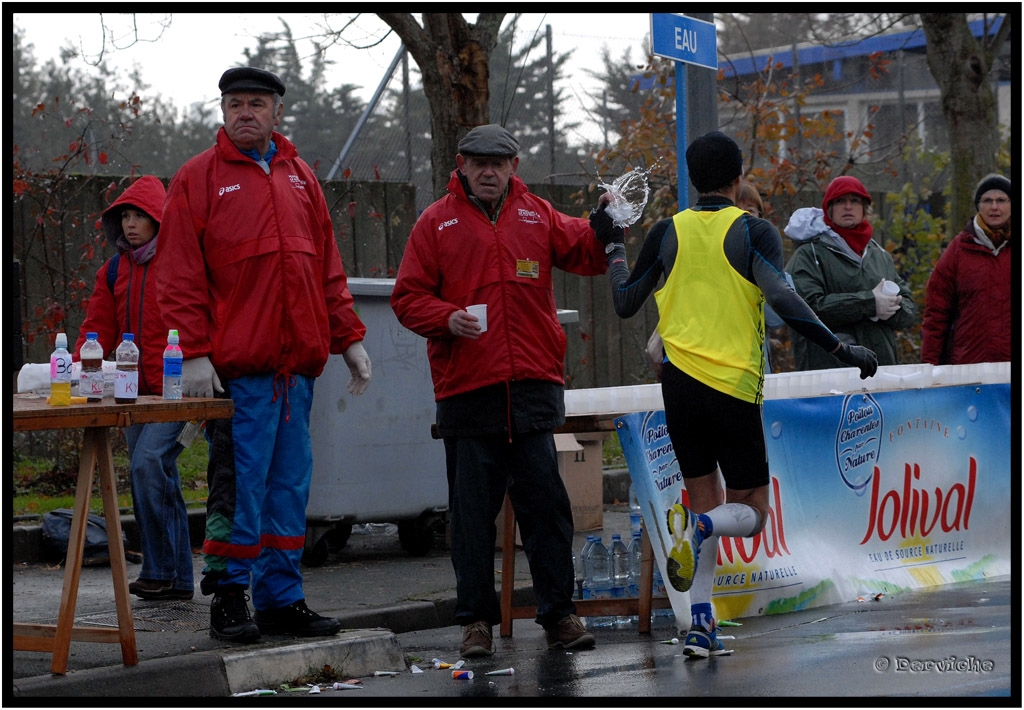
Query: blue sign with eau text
x=684 y=39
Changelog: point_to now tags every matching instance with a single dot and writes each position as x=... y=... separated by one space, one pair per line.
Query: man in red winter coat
x=255 y=286
x=125 y=301
x=499 y=391
x=968 y=299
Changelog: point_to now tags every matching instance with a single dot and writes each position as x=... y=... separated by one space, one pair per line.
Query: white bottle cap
x=62 y=341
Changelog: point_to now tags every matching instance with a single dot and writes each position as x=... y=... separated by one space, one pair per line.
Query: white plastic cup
x=480 y=311
x=890 y=288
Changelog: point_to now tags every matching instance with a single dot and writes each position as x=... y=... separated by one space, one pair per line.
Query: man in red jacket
x=255 y=286
x=968 y=300
x=499 y=391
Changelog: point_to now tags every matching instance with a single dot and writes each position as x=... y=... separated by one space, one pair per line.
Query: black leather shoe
x=229 y=617
x=296 y=619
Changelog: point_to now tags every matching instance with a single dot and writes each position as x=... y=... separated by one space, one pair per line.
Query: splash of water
x=629 y=196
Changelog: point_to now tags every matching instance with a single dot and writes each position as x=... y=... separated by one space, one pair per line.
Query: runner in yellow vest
x=720 y=264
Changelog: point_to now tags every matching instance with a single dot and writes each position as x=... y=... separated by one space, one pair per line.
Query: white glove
x=886 y=304
x=198 y=378
x=359 y=365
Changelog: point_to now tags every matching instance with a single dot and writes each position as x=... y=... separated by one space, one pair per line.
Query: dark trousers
x=528 y=467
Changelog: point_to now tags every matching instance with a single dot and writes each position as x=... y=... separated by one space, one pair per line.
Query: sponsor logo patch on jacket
x=230 y=188
x=449 y=223
x=528 y=216
x=297 y=182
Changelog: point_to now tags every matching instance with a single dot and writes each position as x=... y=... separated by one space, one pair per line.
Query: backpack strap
x=112 y=271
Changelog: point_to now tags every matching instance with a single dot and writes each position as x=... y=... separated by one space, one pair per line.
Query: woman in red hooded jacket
x=125 y=301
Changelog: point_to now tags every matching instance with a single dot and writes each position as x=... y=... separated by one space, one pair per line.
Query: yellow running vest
x=711 y=317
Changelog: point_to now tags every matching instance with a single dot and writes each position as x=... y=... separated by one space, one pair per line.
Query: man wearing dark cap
x=252 y=279
x=969 y=297
x=720 y=264
x=499 y=390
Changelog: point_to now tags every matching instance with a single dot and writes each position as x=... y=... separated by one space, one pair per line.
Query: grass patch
x=42 y=485
x=611 y=453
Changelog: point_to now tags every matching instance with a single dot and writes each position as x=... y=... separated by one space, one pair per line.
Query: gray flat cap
x=250 y=79
x=491 y=139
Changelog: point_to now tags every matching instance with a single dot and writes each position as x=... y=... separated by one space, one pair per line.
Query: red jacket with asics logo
x=253 y=278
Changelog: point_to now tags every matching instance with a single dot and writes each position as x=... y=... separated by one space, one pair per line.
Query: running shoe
x=701 y=643
x=687 y=535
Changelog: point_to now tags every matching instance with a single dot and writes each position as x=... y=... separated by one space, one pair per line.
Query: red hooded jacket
x=132 y=306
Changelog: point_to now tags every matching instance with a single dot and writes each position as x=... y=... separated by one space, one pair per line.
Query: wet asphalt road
x=948 y=642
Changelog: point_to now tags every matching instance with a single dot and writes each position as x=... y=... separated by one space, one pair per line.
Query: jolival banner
x=871 y=493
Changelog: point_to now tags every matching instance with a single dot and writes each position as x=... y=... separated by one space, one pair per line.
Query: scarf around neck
x=142 y=254
x=856 y=237
x=996 y=237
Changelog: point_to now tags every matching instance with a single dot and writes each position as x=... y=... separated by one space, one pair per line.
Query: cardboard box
x=581 y=468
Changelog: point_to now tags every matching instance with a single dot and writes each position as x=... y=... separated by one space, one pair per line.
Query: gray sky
x=186 y=62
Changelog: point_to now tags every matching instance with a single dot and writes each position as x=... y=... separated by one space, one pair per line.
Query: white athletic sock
x=734 y=520
x=704 y=578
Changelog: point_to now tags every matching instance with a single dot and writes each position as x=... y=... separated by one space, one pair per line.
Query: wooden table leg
x=95 y=450
x=118 y=570
x=76 y=550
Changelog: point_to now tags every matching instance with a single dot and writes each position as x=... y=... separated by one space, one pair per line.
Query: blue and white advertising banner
x=871 y=492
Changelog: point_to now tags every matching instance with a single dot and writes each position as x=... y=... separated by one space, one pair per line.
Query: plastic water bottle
x=90 y=379
x=172 y=367
x=634 y=511
x=60 y=372
x=583 y=572
x=597 y=580
x=620 y=575
x=575 y=578
x=634 y=552
x=126 y=378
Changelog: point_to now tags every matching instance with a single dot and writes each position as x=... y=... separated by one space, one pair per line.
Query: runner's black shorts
x=710 y=429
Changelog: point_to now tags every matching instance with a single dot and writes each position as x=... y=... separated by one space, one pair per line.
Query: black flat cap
x=491 y=139
x=250 y=79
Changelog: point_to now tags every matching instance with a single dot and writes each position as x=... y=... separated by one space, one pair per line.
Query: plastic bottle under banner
x=172 y=367
x=90 y=379
x=620 y=575
x=60 y=372
x=126 y=378
x=584 y=565
x=634 y=511
x=597 y=582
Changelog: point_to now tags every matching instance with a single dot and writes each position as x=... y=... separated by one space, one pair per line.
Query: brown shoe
x=157 y=589
x=476 y=640
x=569 y=633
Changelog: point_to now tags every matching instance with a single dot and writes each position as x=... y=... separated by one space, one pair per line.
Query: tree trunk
x=453 y=56
x=961 y=66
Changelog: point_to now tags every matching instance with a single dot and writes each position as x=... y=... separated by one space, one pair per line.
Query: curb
x=212 y=673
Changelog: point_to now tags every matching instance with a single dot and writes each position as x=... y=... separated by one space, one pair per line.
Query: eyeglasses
x=1001 y=201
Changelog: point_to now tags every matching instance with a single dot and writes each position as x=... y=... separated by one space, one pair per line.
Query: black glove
x=604 y=229
x=859 y=357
